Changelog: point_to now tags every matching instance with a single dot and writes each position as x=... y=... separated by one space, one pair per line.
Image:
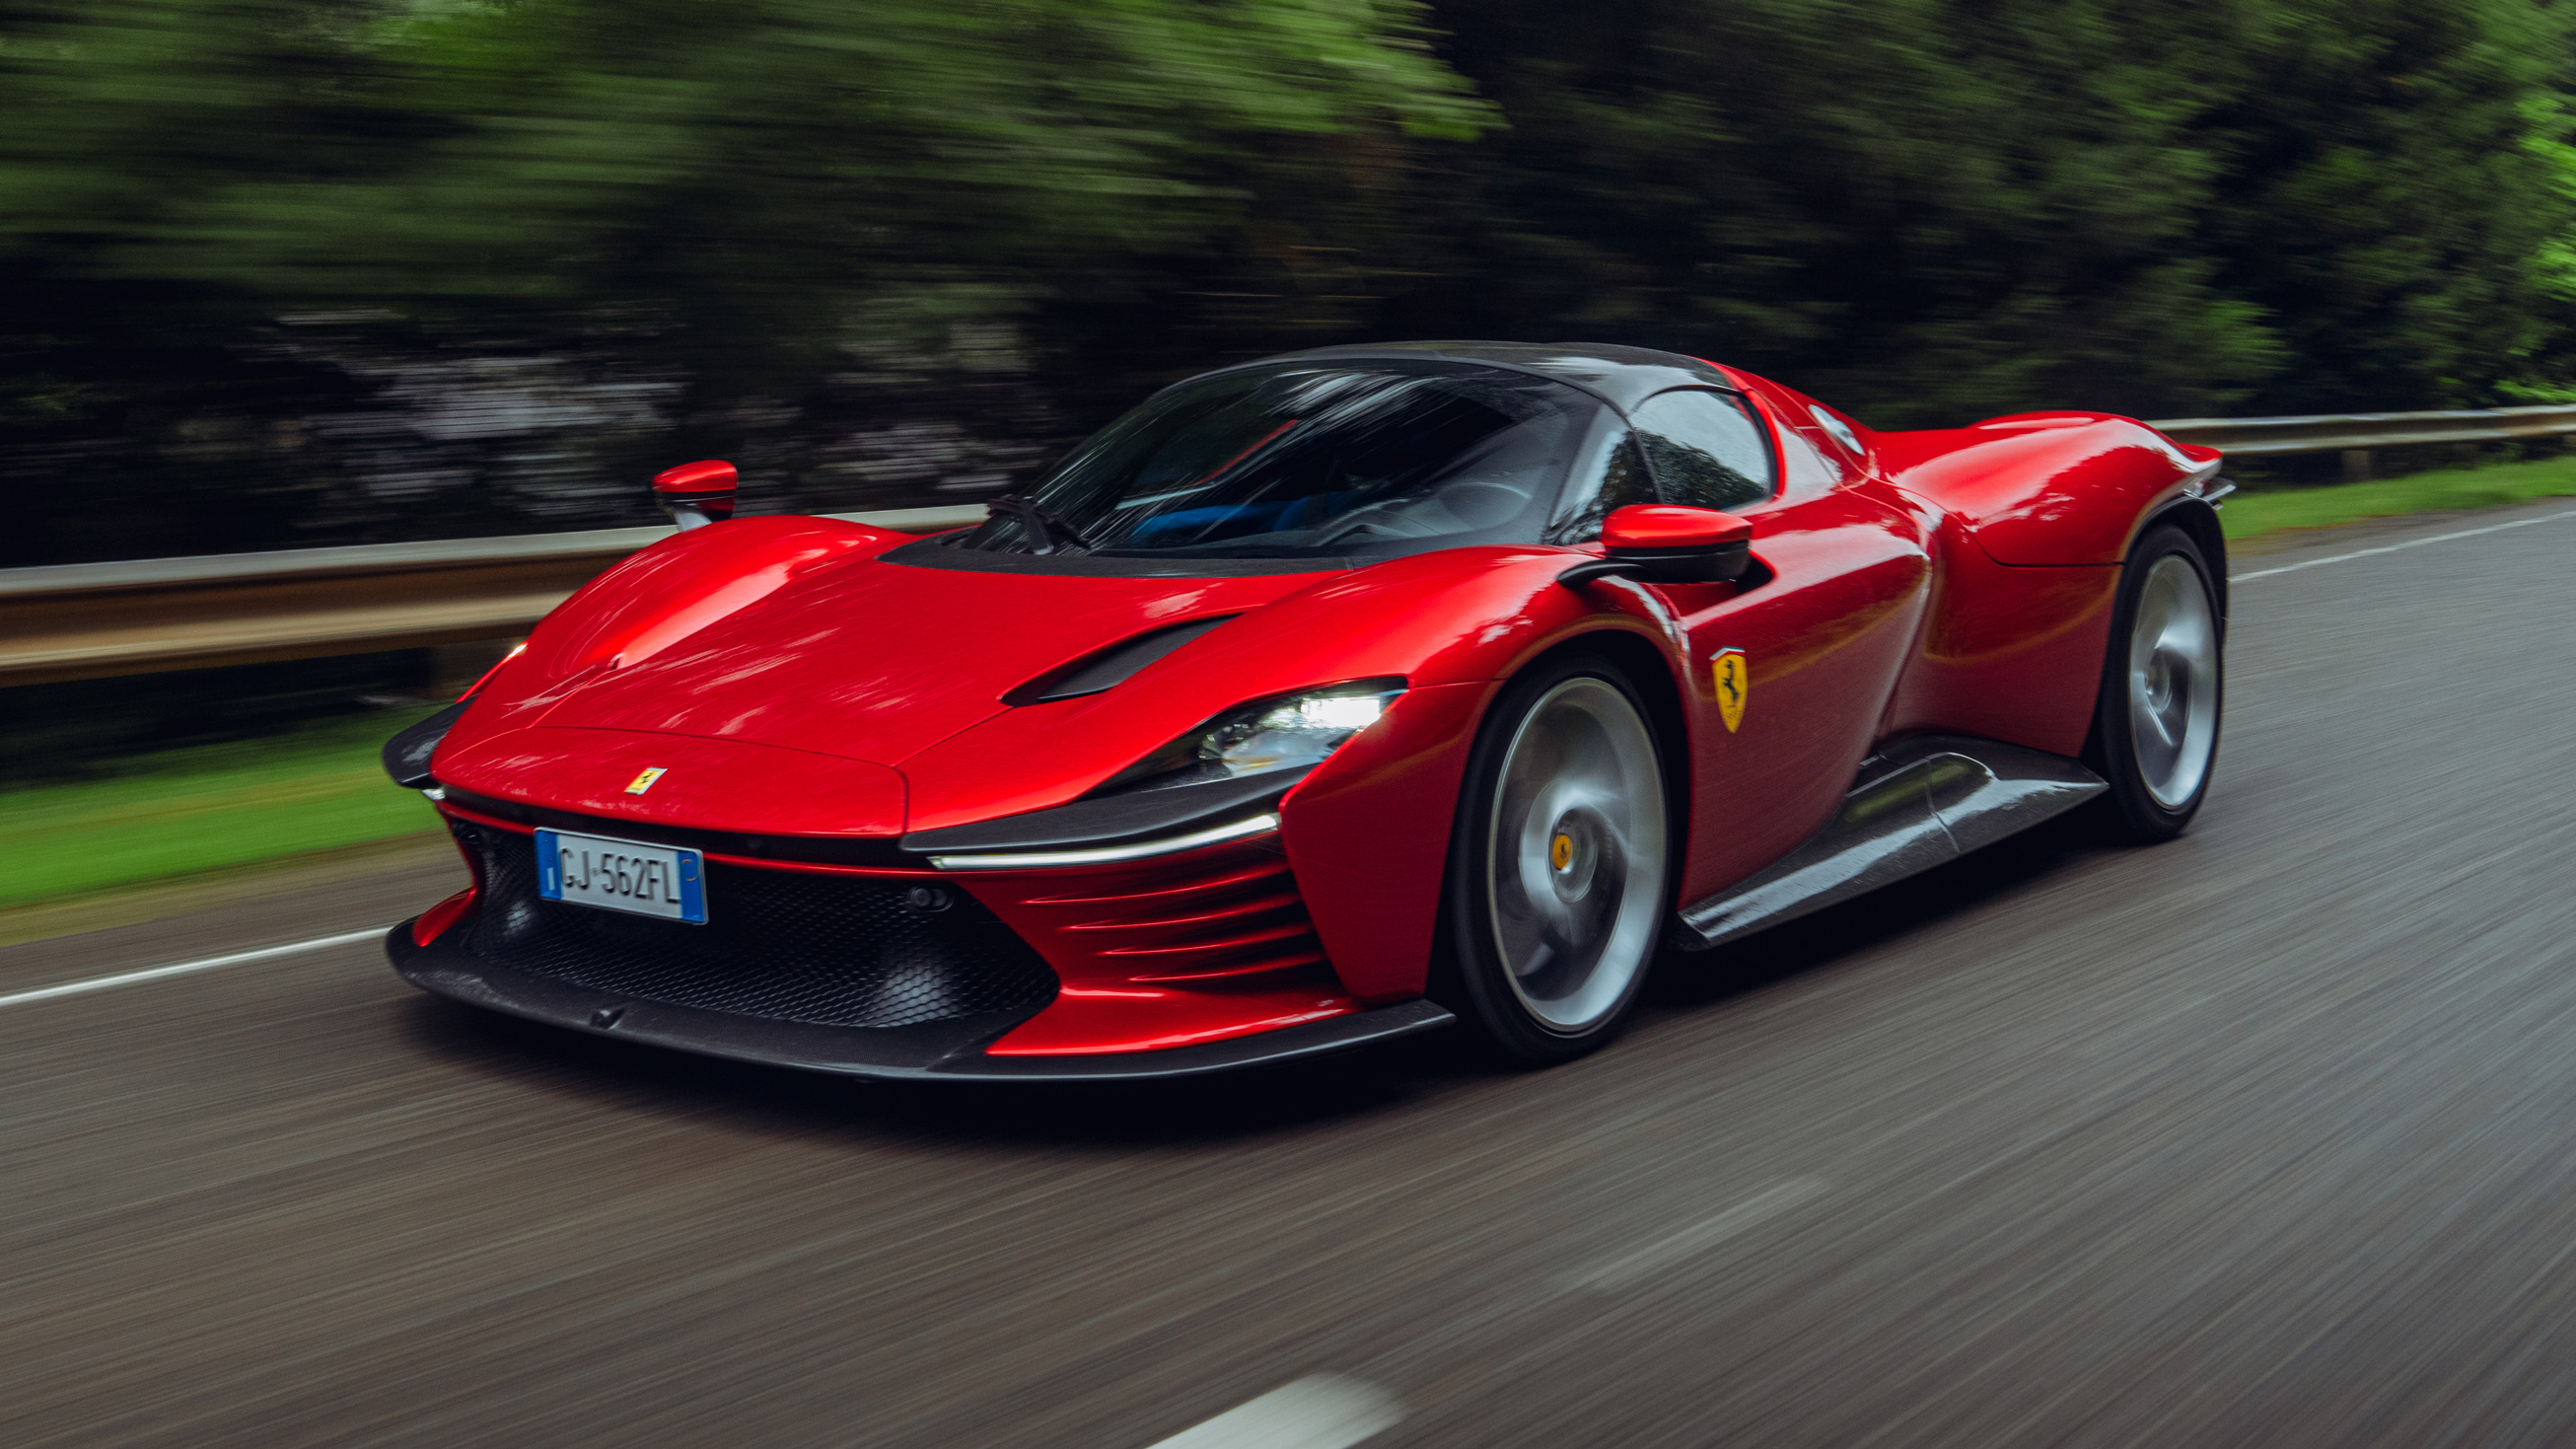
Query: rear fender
x=2047 y=489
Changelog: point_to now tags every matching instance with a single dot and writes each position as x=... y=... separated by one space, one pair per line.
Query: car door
x=1791 y=672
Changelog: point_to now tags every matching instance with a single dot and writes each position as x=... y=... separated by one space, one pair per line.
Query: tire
x=2156 y=717
x=1561 y=863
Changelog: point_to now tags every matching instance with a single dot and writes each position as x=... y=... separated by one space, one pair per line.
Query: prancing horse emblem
x=644 y=781
x=1729 y=675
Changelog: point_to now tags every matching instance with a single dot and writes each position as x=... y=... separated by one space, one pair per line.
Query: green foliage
x=1934 y=209
x=276 y=271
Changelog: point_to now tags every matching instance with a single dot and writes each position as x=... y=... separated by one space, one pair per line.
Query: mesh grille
x=781 y=945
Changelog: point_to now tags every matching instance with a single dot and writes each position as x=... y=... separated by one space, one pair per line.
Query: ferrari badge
x=644 y=781
x=1731 y=682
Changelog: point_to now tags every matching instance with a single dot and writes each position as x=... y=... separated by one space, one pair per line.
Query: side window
x=1608 y=476
x=1705 y=449
x=1806 y=469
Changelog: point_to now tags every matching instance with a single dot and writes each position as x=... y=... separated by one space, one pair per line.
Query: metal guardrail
x=89 y=621
x=84 y=621
x=2362 y=432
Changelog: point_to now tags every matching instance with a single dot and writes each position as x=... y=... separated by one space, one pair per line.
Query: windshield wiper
x=1044 y=528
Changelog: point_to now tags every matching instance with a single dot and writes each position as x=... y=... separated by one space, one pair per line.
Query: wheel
x=2155 y=728
x=1560 y=866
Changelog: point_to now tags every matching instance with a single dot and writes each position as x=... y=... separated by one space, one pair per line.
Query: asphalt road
x=2266 y=1137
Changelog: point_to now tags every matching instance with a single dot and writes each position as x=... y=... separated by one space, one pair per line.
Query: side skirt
x=1923 y=803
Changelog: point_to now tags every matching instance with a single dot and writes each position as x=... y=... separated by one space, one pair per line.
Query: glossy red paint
x=1823 y=641
x=2043 y=489
x=791 y=682
x=686 y=581
x=433 y=923
x=707 y=784
x=1167 y=952
x=845 y=678
x=713 y=475
x=2011 y=654
x=485 y=677
x=1465 y=614
x=1368 y=832
x=1667 y=526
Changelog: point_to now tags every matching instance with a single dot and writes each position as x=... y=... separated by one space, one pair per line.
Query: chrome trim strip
x=1107 y=854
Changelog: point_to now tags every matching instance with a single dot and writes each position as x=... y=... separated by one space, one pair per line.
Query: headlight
x=1283 y=732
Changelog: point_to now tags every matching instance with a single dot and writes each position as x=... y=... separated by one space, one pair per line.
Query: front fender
x=651 y=600
x=1460 y=617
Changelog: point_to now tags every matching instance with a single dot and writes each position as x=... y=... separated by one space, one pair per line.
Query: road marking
x=155 y=973
x=1320 y=1411
x=1700 y=1236
x=2316 y=563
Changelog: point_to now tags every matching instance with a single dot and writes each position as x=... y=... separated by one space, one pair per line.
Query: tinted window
x=1806 y=469
x=1609 y=476
x=1316 y=459
x=1705 y=448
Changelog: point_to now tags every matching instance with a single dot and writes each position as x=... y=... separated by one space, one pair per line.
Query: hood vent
x=1112 y=666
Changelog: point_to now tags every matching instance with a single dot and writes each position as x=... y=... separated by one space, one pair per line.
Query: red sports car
x=1317 y=701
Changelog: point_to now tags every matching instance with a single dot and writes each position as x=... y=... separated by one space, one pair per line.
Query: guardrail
x=86 y=621
x=2360 y=433
x=89 y=621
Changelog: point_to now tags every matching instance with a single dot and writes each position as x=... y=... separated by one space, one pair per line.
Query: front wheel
x=2155 y=726
x=1560 y=864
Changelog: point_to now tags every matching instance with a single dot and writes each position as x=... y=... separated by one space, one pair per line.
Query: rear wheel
x=2155 y=727
x=1560 y=867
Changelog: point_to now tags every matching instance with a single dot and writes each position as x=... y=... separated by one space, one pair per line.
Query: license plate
x=622 y=875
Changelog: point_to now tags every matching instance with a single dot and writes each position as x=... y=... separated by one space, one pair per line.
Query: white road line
x=155 y=973
x=1700 y=1236
x=1321 y=1411
x=2318 y=563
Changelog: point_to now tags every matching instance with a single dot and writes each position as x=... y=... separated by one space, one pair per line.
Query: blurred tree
x=557 y=238
x=319 y=270
x=1937 y=209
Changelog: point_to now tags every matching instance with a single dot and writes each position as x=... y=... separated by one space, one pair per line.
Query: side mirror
x=697 y=494
x=1665 y=543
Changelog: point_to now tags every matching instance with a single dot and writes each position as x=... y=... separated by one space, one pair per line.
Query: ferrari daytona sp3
x=1317 y=701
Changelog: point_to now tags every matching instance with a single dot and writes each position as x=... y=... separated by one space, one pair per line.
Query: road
x=2266 y=1137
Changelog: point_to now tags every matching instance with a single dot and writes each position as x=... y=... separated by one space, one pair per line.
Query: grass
x=181 y=812
x=2271 y=510
x=184 y=812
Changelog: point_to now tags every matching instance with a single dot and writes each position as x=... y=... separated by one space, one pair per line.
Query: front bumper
x=951 y=1049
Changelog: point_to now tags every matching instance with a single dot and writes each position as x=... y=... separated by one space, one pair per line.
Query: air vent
x=1110 y=667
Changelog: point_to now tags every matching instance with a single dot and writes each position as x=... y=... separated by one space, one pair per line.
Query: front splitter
x=951 y=1050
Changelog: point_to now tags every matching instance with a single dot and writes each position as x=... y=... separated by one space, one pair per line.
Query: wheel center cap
x=1560 y=851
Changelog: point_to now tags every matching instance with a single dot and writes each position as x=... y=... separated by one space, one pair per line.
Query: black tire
x=2152 y=738
x=1568 y=762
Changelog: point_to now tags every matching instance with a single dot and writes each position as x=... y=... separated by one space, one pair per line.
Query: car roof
x=1621 y=376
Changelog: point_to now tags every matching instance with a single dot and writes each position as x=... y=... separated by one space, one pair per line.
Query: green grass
x=180 y=812
x=2248 y=514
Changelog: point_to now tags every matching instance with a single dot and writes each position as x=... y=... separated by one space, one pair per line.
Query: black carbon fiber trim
x=948 y=1051
x=820 y=950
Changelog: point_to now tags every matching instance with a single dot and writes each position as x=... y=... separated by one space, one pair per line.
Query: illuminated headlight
x=1283 y=732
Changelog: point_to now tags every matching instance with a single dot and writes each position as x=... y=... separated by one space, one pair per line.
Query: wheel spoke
x=1577 y=863
x=2173 y=681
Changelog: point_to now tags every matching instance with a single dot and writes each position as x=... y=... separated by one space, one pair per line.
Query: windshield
x=1316 y=459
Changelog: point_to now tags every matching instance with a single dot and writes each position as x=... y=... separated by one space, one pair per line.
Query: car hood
x=770 y=643
x=877 y=661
